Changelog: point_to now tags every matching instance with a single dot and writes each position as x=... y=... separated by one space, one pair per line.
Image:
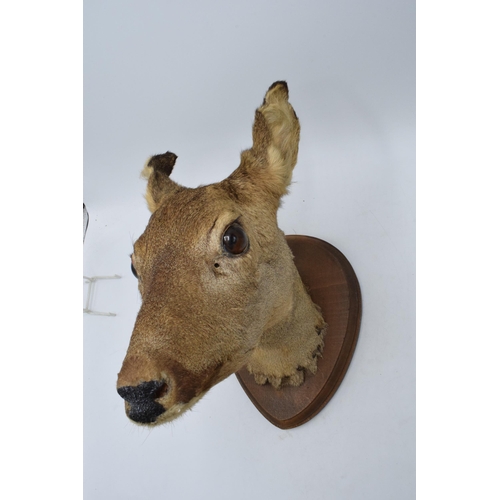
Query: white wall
x=187 y=77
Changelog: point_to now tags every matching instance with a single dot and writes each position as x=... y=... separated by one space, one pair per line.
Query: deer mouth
x=144 y=412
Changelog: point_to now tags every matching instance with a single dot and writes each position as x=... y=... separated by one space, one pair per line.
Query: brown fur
x=205 y=314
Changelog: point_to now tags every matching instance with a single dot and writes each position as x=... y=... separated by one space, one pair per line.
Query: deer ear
x=157 y=171
x=270 y=161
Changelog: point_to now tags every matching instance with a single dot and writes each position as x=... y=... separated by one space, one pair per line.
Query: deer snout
x=143 y=406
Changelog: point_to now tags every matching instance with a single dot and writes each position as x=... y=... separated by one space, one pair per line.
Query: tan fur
x=206 y=314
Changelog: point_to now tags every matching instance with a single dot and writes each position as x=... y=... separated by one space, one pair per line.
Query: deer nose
x=142 y=399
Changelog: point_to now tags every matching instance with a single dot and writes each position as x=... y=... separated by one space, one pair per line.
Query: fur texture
x=207 y=313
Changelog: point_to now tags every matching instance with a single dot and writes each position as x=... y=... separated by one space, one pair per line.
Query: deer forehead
x=194 y=220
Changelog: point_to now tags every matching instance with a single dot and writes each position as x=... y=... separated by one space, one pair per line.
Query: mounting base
x=333 y=286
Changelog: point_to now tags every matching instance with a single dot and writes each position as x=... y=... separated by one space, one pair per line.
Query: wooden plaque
x=333 y=286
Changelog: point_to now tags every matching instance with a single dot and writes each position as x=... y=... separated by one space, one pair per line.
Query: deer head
x=218 y=284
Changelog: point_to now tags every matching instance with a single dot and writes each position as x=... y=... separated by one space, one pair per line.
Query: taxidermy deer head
x=218 y=284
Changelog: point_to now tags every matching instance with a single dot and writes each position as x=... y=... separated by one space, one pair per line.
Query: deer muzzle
x=158 y=391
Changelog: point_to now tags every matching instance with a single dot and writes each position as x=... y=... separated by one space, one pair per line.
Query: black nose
x=143 y=407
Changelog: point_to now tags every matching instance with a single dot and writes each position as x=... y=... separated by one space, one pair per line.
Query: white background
x=41 y=338
x=187 y=77
x=41 y=154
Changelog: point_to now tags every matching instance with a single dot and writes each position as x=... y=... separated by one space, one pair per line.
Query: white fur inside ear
x=285 y=130
x=146 y=174
x=147 y=170
x=279 y=168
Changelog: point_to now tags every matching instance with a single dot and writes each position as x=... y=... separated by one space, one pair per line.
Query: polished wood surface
x=333 y=286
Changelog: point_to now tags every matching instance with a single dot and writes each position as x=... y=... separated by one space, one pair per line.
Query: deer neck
x=292 y=340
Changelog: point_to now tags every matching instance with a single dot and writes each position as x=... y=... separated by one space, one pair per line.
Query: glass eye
x=134 y=272
x=235 y=240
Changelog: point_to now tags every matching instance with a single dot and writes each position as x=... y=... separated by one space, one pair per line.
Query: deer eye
x=134 y=272
x=235 y=240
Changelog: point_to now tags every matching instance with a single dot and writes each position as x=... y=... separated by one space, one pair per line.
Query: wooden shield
x=333 y=286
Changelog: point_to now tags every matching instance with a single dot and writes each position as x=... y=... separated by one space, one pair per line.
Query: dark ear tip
x=163 y=163
x=283 y=86
x=279 y=82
